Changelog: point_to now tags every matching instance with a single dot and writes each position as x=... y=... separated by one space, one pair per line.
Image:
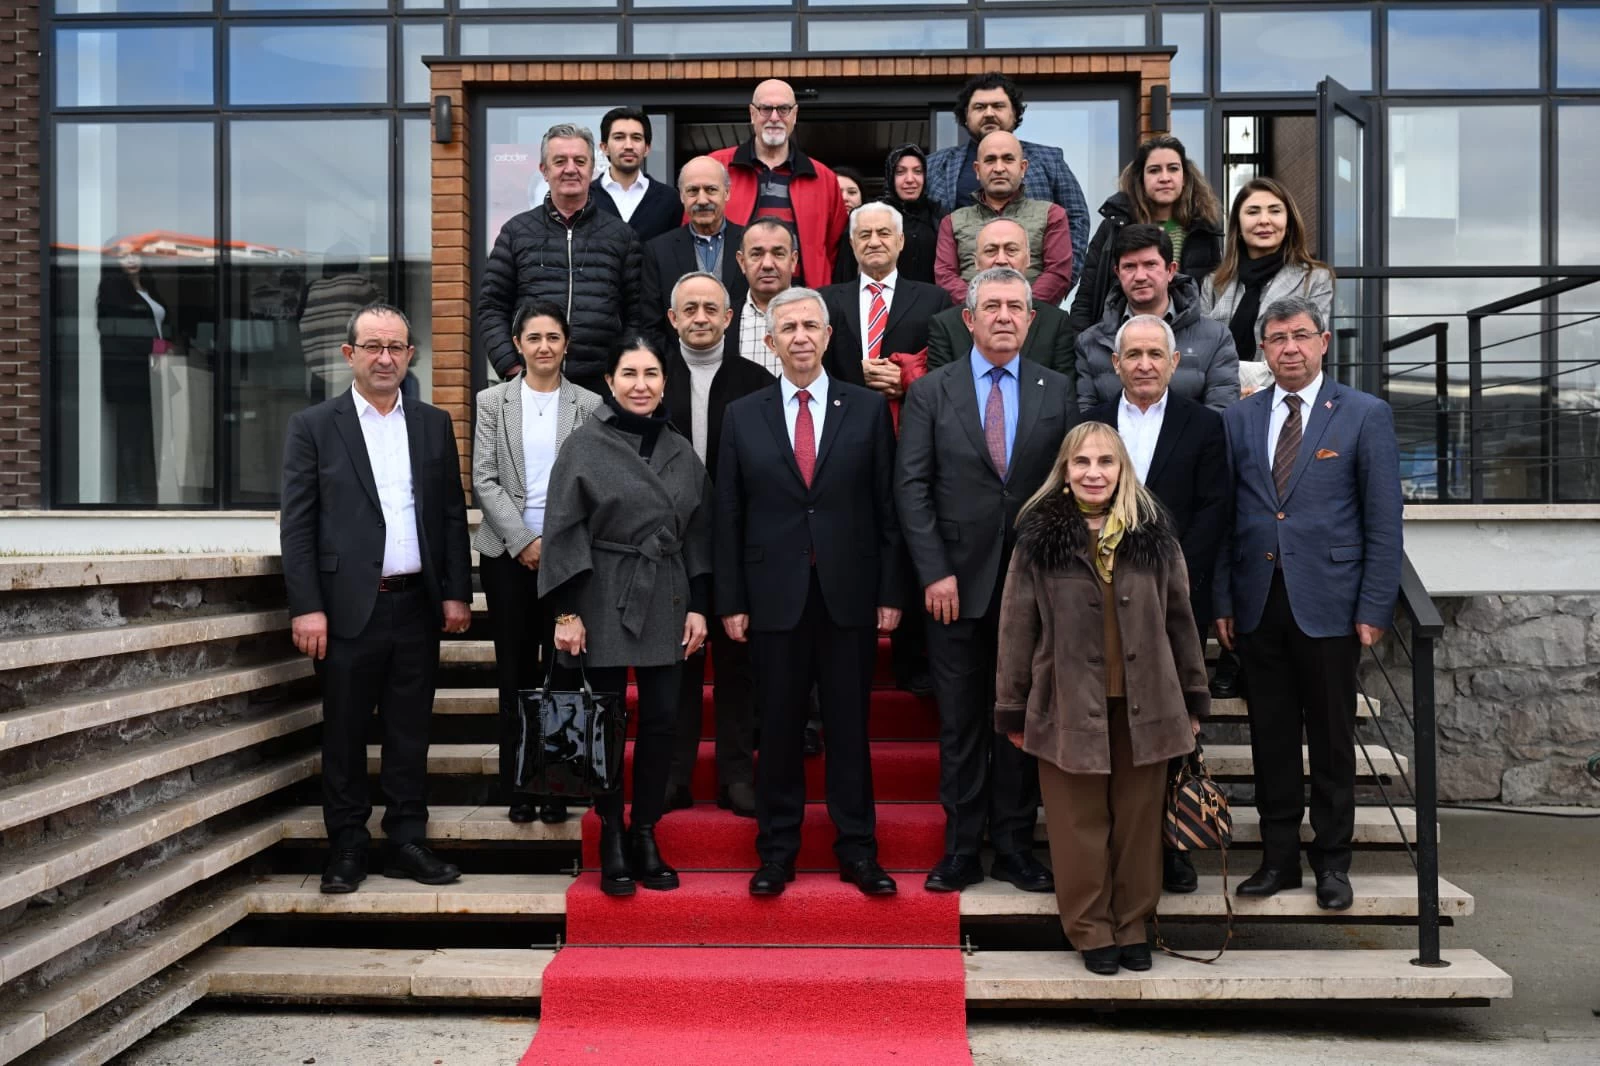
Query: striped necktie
x=877 y=318
x=1288 y=447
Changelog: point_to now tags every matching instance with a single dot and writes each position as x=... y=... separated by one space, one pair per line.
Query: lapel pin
x=1039 y=382
x=836 y=403
x=1328 y=404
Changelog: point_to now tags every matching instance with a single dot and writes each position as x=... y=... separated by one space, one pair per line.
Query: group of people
x=755 y=435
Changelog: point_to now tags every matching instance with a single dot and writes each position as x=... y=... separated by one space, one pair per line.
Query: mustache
x=703 y=209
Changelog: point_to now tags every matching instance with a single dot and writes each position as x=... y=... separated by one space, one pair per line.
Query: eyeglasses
x=373 y=348
x=781 y=110
x=1299 y=336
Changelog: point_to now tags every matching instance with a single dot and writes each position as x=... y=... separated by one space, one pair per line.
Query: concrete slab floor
x=1538 y=917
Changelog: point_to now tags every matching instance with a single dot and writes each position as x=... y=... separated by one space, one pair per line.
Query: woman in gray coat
x=521 y=426
x=627 y=556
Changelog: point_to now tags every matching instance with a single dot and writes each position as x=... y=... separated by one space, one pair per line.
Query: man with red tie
x=808 y=553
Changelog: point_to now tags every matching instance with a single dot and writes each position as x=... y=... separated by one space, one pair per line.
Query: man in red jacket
x=770 y=177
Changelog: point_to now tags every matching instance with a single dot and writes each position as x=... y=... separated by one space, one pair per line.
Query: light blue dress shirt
x=1008 y=394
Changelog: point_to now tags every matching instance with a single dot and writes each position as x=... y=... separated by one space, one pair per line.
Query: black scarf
x=1253 y=277
x=647 y=427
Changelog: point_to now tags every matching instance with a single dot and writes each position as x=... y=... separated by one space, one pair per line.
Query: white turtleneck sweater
x=703 y=366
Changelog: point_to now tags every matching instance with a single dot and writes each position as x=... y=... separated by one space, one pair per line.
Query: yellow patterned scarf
x=1105 y=553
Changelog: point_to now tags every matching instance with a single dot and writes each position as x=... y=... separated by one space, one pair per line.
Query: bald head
x=1003 y=243
x=1000 y=166
x=703 y=188
x=773 y=114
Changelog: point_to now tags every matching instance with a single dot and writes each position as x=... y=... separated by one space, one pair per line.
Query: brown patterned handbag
x=1198 y=819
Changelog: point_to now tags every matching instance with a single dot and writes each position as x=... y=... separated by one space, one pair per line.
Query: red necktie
x=877 y=318
x=805 y=438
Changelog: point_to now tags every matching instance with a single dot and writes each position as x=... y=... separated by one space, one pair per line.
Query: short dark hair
x=991 y=80
x=539 y=309
x=377 y=307
x=766 y=222
x=635 y=113
x=633 y=342
x=852 y=173
x=1138 y=236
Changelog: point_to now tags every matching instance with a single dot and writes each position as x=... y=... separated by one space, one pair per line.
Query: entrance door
x=1347 y=224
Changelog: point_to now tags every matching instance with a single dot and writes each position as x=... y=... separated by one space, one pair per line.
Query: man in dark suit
x=649 y=207
x=703 y=378
x=1179 y=452
x=1310 y=577
x=1004 y=243
x=374 y=540
x=807 y=570
x=707 y=242
x=978 y=436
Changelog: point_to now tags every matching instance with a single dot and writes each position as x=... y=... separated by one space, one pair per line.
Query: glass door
x=1347 y=231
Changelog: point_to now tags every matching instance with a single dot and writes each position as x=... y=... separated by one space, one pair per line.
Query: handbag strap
x=583 y=677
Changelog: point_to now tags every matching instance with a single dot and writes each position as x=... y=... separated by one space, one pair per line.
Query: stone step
x=81 y=711
x=27 y=871
x=466 y=653
x=376 y=973
x=1376 y=896
x=1375 y=827
x=19 y=652
x=1238 y=709
x=497 y=894
x=115 y=1028
x=90 y=779
x=31 y=572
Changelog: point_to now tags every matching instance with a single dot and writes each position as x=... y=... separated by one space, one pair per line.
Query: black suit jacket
x=914 y=306
x=1049 y=340
x=769 y=522
x=957 y=513
x=659 y=212
x=670 y=256
x=331 y=526
x=736 y=378
x=1189 y=475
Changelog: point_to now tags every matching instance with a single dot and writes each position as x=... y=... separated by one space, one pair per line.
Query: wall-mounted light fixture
x=1160 y=122
x=441 y=119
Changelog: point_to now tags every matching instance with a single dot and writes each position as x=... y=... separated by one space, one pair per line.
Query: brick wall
x=20 y=267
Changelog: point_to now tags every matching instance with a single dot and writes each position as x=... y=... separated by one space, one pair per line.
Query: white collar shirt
x=629 y=199
x=753 y=338
x=1140 y=430
x=540 y=411
x=1280 y=413
x=389 y=452
x=791 y=407
x=889 y=283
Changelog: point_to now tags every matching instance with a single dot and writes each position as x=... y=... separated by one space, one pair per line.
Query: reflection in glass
x=1577 y=164
x=867 y=36
x=134 y=67
x=129 y=7
x=133 y=282
x=639 y=4
x=1188 y=33
x=1290 y=51
x=1576 y=397
x=467 y=5
x=1090 y=135
x=1063 y=31
x=416 y=248
x=1189 y=126
x=1578 y=48
x=696 y=37
x=1463 y=48
x=1348 y=192
x=318 y=64
x=308 y=5
x=308 y=243
x=418 y=39
x=1463 y=185
x=538 y=39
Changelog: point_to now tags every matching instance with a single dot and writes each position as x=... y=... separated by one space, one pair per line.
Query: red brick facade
x=21 y=269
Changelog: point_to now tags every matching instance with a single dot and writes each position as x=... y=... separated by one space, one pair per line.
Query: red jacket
x=819 y=210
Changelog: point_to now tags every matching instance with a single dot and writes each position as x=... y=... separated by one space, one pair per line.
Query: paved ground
x=1538 y=917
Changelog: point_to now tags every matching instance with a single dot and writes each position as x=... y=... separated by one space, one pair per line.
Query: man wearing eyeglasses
x=770 y=177
x=373 y=533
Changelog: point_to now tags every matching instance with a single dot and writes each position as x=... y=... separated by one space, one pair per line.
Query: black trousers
x=652 y=750
x=984 y=780
x=908 y=644
x=839 y=660
x=391 y=666
x=524 y=645
x=732 y=694
x=1297 y=682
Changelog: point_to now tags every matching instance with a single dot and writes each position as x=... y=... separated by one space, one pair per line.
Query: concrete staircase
x=159 y=839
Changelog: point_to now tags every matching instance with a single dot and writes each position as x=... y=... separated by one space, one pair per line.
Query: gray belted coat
x=640 y=531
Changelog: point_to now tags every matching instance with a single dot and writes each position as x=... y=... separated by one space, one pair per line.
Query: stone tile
x=505 y=973
x=487 y=823
x=79 y=571
x=449 y=759
x=1233 y=760
x=112 y=1036
x=19 y=652
x=19 y=1031
x=466 y=701
x=373 y=972
x=1240 y=709
x=1374 y=826
x=377 y=895
x=506 y=894
x=466 y=652
x=1377 y=896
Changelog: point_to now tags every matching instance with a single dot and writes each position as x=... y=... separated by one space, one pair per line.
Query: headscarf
x=922 y=205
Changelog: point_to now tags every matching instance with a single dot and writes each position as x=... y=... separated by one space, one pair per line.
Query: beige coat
x=1050 y=683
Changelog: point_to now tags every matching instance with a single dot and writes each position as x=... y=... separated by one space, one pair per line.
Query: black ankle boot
x=649 y=868
x=615 y=877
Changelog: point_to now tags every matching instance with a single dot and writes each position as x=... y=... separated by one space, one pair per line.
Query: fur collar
x=1054 y=533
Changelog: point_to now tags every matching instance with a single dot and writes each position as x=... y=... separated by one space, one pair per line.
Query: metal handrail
x=1427 y=625
x=1440 y=332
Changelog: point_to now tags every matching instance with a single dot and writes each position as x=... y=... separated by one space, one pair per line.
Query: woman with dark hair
x=1161 y=186
x=851 y=192
x=1098 y=581
x=627 y=559
x=521 y=427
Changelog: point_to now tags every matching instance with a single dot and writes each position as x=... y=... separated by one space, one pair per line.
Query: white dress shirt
x=888 y=284
x=1280 y=413
x=540 y=410
x=819 y=407
x=1140 y=430
x=389 y=452
x=753 y=339
x=627 y=200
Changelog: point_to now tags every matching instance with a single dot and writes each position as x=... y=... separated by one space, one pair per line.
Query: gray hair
x=878 y=205
x=672 y=300
x=793 y=296
x=1290 y=306
x=565 y=129
x=994 y=274
x=1147 y=320
x=726 y=182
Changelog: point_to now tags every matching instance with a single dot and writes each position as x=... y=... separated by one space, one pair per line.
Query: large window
x=1290 y=51
x=167 y=66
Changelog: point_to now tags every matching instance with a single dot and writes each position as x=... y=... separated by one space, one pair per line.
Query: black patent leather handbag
x=571 y=742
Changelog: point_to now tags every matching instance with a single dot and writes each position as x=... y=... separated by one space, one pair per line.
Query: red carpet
x=902 y=771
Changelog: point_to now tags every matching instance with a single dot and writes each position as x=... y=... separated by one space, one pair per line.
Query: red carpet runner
x=820 y=976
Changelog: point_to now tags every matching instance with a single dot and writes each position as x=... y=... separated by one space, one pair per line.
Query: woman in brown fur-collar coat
x=1101 y=678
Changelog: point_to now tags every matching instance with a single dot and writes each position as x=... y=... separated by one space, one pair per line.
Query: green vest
x=1031 y=215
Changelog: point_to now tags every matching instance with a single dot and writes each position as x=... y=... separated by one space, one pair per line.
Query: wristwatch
x=564 y=619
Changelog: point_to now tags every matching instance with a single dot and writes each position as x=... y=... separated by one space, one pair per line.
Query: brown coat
x=1050 y=684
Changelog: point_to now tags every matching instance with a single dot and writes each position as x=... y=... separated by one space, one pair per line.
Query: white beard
x=774 y=138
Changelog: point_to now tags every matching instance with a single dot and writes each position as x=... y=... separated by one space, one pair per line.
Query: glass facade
x=228 y=178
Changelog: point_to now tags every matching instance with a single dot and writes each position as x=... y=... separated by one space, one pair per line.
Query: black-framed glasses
x=1299 y=336
x=781 y=110
x=373 y=348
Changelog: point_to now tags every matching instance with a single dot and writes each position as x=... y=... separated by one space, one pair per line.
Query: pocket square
x=1324 y=453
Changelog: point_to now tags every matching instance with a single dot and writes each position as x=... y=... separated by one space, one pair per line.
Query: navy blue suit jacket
x=1337 y=529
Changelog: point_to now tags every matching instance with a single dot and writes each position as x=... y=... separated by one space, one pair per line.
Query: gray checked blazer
x=497 y=478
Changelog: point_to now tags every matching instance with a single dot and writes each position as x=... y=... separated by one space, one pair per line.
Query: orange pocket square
x=1324 y=453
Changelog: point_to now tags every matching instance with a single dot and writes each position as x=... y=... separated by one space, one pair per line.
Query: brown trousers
x=1105 y=842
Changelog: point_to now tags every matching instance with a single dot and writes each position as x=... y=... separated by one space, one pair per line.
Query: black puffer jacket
x=594 y=268
x=1202 y=251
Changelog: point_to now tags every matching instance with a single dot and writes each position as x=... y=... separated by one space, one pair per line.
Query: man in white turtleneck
x=702 y=379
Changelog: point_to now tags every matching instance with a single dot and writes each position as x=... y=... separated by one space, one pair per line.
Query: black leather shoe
x=679 y=798
x=869 y=877
x=522 y=810
x=1269 y=881
x=1135 y=957
x=953 y=873
x=1103 y=961
x=916 y=682
x=1177 y=871
x=740 y=798
x=1226 y=687
x=1024 y=871
x=420 y=865
x=616 y=879
x=346 y=869
x=771 y=879
x=552 y=813
x=813 y=741
x=644 y=859
x=1334 y=892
